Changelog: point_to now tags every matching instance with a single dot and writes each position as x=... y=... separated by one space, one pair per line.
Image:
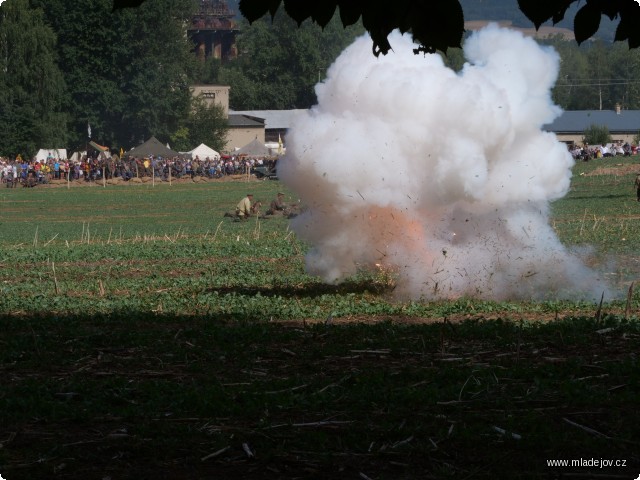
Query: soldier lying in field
x=246 y=208
x=279 y=207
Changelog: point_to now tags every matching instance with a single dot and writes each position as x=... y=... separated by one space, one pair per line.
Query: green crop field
x=145 y=335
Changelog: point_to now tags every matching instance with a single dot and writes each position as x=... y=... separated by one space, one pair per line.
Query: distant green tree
x=207 y=71
x=92 y=50
x=625 y=71
x=597 y=135
x=279 y=64
x=159 y=70
x=127 y=71
x=204 y=124
x=596 y=75
x=571 y=90
x=598 y=54
x=32 y=87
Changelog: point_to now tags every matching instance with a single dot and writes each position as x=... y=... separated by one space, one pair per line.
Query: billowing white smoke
x=446 y=178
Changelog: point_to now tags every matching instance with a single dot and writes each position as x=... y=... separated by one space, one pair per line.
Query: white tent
x=275 y=148
x=44 y=153
x=77 y=156
x=202 y=151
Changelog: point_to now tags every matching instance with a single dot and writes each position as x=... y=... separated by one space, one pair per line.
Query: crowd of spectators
x=15 y=172
x=589 y=152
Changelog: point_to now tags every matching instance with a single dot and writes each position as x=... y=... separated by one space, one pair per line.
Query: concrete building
x=247 y=125
x=213 y=94
x=242 y=130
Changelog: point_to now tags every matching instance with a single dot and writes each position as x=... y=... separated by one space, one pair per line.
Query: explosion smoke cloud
x=445 y=177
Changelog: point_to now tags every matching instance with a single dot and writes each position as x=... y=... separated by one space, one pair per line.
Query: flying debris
x=401 y=152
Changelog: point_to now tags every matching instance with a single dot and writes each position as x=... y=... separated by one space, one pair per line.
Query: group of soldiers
x=247 y=208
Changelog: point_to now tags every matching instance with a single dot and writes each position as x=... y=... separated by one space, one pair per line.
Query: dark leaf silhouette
x=438 y=24
x=562 y=7
x=322 y=16
x=350 y=11
x=118 y=4
x=539 y=11
x=257 y=10
x=298 y=10
x=586 y=22
x=624 y=30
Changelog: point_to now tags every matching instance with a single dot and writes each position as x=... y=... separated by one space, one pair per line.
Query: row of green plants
x=239 y=279
x=170 y=250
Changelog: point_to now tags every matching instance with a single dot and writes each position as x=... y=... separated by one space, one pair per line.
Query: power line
x=599 y=84
x=590 y=79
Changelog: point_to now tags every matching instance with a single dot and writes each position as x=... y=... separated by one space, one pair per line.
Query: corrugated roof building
x=623 y=125
x=276 y=122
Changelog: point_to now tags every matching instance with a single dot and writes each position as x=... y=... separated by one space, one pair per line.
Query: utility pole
x=600 y=91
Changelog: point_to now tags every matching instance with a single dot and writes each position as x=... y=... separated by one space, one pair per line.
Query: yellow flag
x=121 y=152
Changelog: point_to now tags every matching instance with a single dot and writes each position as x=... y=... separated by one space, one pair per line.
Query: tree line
x=67 y=65
x=597 y=75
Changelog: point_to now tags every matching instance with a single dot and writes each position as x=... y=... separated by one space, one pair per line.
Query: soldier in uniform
x=243 y=209
x=278 y=207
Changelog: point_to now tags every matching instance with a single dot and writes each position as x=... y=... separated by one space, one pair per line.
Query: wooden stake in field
x=627 y=310
x=583 y=220
x=169 y=173
x=104 y=177
x=256 y=230
x=69 y=177
x=218 y=228
x=56 y=236
x=55 y=280
x=599 y=311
